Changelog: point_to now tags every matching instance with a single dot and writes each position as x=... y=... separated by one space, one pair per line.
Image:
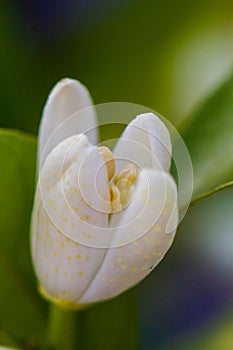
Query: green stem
x=211 y=192
x=112 y=325
x=62 y=329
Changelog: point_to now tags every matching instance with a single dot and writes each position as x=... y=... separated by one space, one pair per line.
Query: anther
x=115 y=197
x=128 y=173
x=109 y=160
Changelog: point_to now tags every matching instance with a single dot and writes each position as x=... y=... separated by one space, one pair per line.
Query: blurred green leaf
x=22 y=311
x=144 y=51
x=209 y=138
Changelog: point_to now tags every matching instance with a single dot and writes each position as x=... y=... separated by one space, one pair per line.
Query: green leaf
x=209 y=138
x=22 y=311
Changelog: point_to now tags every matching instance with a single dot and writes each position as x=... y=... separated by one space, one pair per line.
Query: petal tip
x=66 y=99
x=69 y=83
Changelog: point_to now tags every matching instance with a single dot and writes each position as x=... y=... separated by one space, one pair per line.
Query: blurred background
x=167 y=55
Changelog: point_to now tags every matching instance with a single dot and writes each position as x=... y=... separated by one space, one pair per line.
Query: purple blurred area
x=192 y=288
x=50 y=20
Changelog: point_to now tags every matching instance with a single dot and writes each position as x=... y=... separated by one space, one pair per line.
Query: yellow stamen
x=109 y=160
x=121 y=191
x=129 y=173
x=122 y=187
x=115 y=197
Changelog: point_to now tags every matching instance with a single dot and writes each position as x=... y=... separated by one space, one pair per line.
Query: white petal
x=66 y=99
x=150 y=223
x=62 y=208
x=146 y=142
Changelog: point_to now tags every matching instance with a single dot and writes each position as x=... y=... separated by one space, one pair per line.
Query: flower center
x=121 y=188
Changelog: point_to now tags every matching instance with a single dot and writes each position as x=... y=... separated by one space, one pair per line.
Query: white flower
x=101 y=221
